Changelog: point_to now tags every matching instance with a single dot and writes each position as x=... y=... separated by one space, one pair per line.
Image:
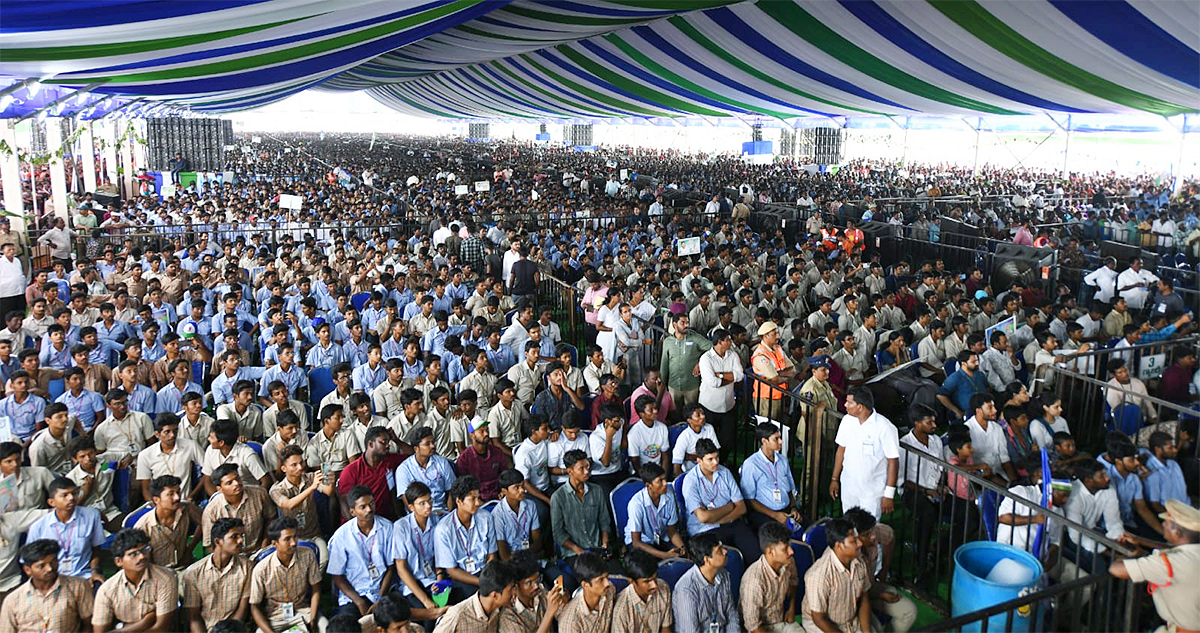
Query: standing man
x=1173 y=573
x=774 y=369
x=680 y=366
x=1133 y=284
x=12 y=281
x=868 y=457
x=720 y=371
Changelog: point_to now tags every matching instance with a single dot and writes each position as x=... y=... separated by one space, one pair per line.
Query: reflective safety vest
x=779 y=360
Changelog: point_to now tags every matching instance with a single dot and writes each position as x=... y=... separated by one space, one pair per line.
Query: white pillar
x=139 y=148
x=58 y=174
x=1177 y=170
x=975 y=169
x=107 y=127
x=10 y=172
x=87 y=150
x=127 y=179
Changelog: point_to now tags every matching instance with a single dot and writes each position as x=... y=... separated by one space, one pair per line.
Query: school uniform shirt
x=76 y=539
x=119 y=600
x=117 y=438
x=337 y=452
x=305 y=513
x=459 y=547
x=515 y=528
x=274 y=446
x=1128 y=489
x=216 y=593
x=250 y=466
x=1165 y=482
x=47 y=451
x=438 y=474
x=768 y=482
x=274 y=585
x=415 y=547
x=650 y=521
x=699 y=492
x=25 y=415
x=648 y=443
x=101 y=496
x=362 y=558
x=153 y=462
x=533 y=462
x=249 y=422
x=83 y=407
x=505 y=423
x=67 y=606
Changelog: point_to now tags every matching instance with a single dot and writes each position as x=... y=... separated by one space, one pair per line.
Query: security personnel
x=1173 y=574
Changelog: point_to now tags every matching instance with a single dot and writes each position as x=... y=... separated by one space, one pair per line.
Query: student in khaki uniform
x=1173 y=574
x=142 y=596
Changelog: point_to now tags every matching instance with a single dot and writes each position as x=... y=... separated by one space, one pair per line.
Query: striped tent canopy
x=646 y=59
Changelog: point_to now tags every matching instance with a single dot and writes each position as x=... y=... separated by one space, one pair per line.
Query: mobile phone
x=326 y=468
x=558 y=584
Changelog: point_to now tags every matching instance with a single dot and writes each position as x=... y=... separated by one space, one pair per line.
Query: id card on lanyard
x=368 y=550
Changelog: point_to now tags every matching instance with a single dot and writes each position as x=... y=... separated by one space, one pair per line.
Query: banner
x=685 y=246
x=483 y=185
x=461 y=190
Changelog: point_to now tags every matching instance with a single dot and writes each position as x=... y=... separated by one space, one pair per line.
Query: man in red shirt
x=483 y=461
x=375 y=469
x=1177 y=377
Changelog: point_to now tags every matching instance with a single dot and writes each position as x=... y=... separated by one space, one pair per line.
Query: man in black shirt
x=524 y=278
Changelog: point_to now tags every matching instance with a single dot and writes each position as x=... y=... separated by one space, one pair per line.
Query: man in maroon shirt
x=375 y=469
x=1178 y=376
x=483 y=461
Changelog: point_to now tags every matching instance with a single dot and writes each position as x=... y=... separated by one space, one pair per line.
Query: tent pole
x=10 y=171
x=87 y=149
x=1067 y=148
x=975 y=169
x=58 y=173
x=1176 y=173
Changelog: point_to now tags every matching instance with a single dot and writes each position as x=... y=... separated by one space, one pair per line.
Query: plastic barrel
x=972 y=591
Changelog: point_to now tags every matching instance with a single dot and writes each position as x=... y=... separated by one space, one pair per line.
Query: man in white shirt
x=720 y=371
x=1104 y=280
x=867 y=463
x=1133 y=284
x=1094 y=505
x=920 y=478
x=999 y=363
x=12 y=281
x=988 y=439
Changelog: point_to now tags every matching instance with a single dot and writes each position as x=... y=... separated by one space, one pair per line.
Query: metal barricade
x=559 y=296
x=942 y=507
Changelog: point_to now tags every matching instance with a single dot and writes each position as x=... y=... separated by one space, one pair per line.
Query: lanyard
x=419 y=538
x=655 y=519
x=65 y=543
x=771 y=471
x=368 y=545
x=521 y=524
x=470 y=539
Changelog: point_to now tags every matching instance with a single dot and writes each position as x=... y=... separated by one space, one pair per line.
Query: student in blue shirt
x=171 y=394
x=1121 y=461
x=287 y=372
x=714 y=501
x=24 y=409
x=426 y=466
x=767 y=482
x=413 y=550
x=360 y=555
x=78 y=531
x=465 y=540
x=518 y=527
x=1166 y=480
x=653 y=517
x=85 y=406
x=955 y=394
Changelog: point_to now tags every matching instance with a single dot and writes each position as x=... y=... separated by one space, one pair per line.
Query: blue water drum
x=972 y=591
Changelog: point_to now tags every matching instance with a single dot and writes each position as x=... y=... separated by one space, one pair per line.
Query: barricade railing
x=1100 y=405
x=559 y=296
x=1051 y=609
x=941 y=507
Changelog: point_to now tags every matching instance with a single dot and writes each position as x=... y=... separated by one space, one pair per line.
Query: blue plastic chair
x=489 y=506
x=803 y=555
x=57 y=387
x=950 y=366
x=271 y=550
x=672 y=569
x=619 y=500
x=121 y=483
x=1126 y=418
x=320 y=384
x=133 y=517
x=359 y=301
x=257 y=447
x=618 y=582
x=735 y=564
x=815 y=538
x=574 y=353
x=680 y=506
x=674 y=431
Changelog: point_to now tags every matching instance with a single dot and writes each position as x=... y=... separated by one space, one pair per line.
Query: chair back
x=815 y=538
x=619 y=499
x=672 y=569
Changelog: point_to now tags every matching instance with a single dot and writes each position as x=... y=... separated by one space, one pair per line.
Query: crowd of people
x=346 y=394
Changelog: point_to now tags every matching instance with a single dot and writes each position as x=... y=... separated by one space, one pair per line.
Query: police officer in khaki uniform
x=1172 y=574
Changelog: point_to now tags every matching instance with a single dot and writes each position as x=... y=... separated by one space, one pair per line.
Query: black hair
x=224 y=525
x=836 y=530
x=701 y=546
x=158 y=484
x=510 y=477
x=391 y=609
x=773 y=533
x=356 y=493
x=651 y=471
x=462 y=487
x=640 y=564
x=127 y=540
x=573 y=457
x=496 y=576
x=276 y=527
x=860 y=519
x=37 y=550
x=588 y=566
x=221 y=472
x=705 y=446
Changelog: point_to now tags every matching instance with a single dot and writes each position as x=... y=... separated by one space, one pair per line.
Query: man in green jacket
x=680 y=367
